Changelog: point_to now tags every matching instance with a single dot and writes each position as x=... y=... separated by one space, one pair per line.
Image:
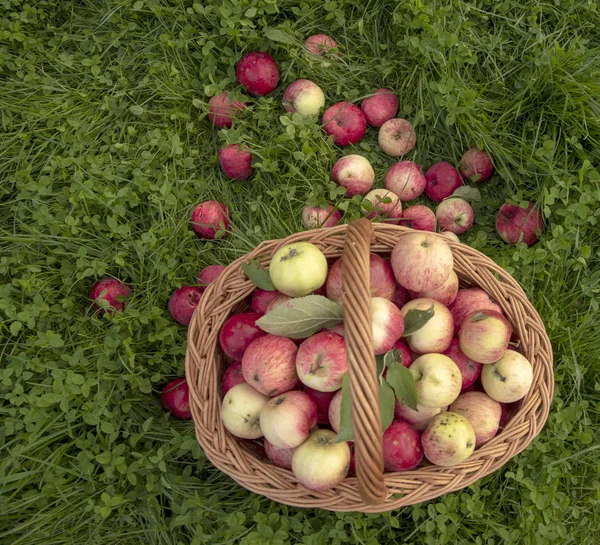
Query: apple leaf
x=387 y=403
x=403 y=383
x=302 y=318
x=393 y=356
x=466 y=192
x=258 y=275
x=380 y=364
x=276 y=35
x=415 y=319
x=346 y=432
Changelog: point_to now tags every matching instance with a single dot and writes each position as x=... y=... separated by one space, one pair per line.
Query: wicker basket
x=371 y=490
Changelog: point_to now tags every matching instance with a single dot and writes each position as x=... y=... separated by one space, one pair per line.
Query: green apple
x=298 y=269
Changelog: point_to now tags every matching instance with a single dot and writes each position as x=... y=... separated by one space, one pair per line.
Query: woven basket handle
x=364 y=383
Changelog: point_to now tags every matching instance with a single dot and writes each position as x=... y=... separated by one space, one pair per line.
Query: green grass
x=104 y=150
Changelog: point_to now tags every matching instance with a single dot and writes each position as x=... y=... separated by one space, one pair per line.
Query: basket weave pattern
x=370 y=491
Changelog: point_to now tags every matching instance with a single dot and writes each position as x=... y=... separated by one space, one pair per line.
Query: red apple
x=419 y=217
x=401 y=297
x=334 y=411
x=345 y=122
x=406 y=179
x=175 y=398
x=209 y=274
x=279 y=300
x=388 y=324
x=238 y=332
x=232 y=377
x=515 y=224
x=397 y=137
x=482 y=412
x=436 y=334
x=476 y=165
x=380 y=107
x=406 y=353
x=208 y=218
x=314 y=217
x=401 y=447
x=258 y=73
x=484 y=335
x=222 y=110
x=355 y=173
x=442 y=180
x=269 y=365
x=417 y=419
x=384 y=204
x=445 y=294
x=321 y=45
x=382 y=282
x=322 y=401
x=469 y=369
x=455 y=215
x=235 y=161
x=281 y=457
x=303 y=96
x=261 y=299
x=468 y=300
x=321 y=361
x=183 y=303
x=111 y=290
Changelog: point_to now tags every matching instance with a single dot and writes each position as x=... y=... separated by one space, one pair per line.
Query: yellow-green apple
x=450 y=235
x=222 y=110
x=421 y=261
x=442 y=180
x=401 y=447
x=406 y=180
x=232 y=377
x=281 y=457
x=468 y=300
x=445 y=294
x=515 y=224
x=320 y=463
x=436 y=335
x=334 y=411
x=321 y=45
x=509 y=379
x=397 y=137
x=476 y=165
x=287 y=419
x=322 y=401
x=437 y=378
x=380 y=107
x=355 y=173
x=419 y=217
x=210 y=218
x=484 y=335
x=469 y=369
x=261 y=299
x=382 y=282
x=236 y=162
x=303 y=96
x=455 y=215
x=209 y=274
x=388 y=324
x=240 y=411
x=384 y=204
x=258 y=73
x=482 y=412
x=183 y=303
x=448 y=440
x=321 y=361
x=298 y=269
x=314 y=217
x=269 y=364
x=238 y=332
x=419 y=418
x=345 y=122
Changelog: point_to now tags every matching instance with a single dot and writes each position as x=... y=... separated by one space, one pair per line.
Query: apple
x=455 y=215
x=482 y=412
x=258 y=73
x=468 y=300
x=508 y=411
x=385 y=204
x=484 y=335
x=442 y=180
x=320 y=463
x=321 y=45
x=515 y=224
x=380 y=107
x=421 y=261
x=509 y=379
x=436 y=335
x=209 y=274
x=401 y=447
x=209 y=218
x=406 y=353
x=281 y=457
x=261 y=299
x=476 y=165
x=401 y=297
x=175 y=398
x=321 y=361
x=345 y=122
x=406 y=179
x=388 y=324
x=314 y=216
x=397 y=137
x=113 y=291
x=232 y=377
x=437 y=378
x=303 y=96
x=445 y=294
x=238 y=332
x=280 y=300
x=450 y=235
x=448 y=440
x=235 y=161
x=286 y=420
x=240 y=411
x=334 y=411
x=298 y=269
x=355 y=173
x=417 y=419
x=322 y=401
x=222 y=110
x=419 y=217
x=381 y=279
x=469 y=369
x=183 y=303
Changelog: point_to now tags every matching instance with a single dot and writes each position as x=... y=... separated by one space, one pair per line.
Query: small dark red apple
x=238 y=332
x=236 y=162
x=261 y=299
x=222 y=110
x=208 y=218
x=232 y=377
x=515 y=224
x=209 y=274
x=175 y=398
x=183 y=303
x=402 y=448
x=442 y=180
x=258 y=73
x=346 y=122
x=111 y=290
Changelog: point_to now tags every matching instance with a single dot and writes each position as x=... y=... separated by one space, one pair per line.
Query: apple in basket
x=482 y=412
x=418 y=418
x=240 y=411
x=321 y=361
x=448 y=440
x=402 y=448
x=437 y=379
x=509 y=379
x=445 y=294
x=232 y=377
x=469 y=300
x=469 y=369
x=281 y=457
x=436 y=335
x=298 y=269
x=322 y=401
x=484 y=335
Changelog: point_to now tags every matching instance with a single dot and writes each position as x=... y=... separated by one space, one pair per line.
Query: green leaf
x=277 y=35
x=346 y=432
x=393 y=356
x=466 y=192
x=380 y=363
x=136 y=110
x=403 y=383
x=258 y=275
x=302 y=318
x=387 y=402
x=415 y=319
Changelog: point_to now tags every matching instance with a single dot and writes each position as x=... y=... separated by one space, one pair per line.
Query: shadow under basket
x=372 y=490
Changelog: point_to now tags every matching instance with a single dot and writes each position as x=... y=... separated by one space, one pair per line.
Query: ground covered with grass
x=105 y=148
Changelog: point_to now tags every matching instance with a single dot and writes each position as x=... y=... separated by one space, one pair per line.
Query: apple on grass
x=261 y=299
x=515 y=224
x=476 y=165
x=298 y=269
x=286 y=420
x=209 y=274
x=232 y=377
x=321 y=361
x=345 y=122
x=322 y=401
x=238 y=332
x=437 y=378
x=442 y=180
x=445 y=294
x=236 y=162
x=384 y=204
x=240 y=411
x=320 y=463
x=469 y=369
x=210 y=218
x=455 y=215
x=281 y=457
x=419 y=418
x=183 y=303
x=482 y=412
x=355 y=173
x=419 y=217
x=314 y=217
x=303 y=96
x=380 y=107
x=321 y=45
x=222 y=110
x=111 y=290
x=175 y=398
x=402 y=449
x=436 y=335
x=406 y=179
x=269 y=365
x=448 y=440
x=469 y=300
x=258 y=73
x=509 y=379
x=397 y=137
x=484 y=335
x=421 y=261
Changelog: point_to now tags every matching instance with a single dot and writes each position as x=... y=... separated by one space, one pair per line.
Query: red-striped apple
x=385 y=204
x=321 y=361
x=476 y=165
x=419 y=217
x=419 y=418
x=321 y=45
x=209 y=274
x=209 y=218
x=388 y=324
x=469 y=369
x=314 y=217
x=397 y=137
x=484 y=335
x=355 y=173
x=469 y=300
x=334 y=411
x=455 y=215
x=445 y=294
x=515 y=224
x=406 y=179
x=222 y=110
x=281 y=457
x=380 y=107
x=236 y=162
x=482 y=412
